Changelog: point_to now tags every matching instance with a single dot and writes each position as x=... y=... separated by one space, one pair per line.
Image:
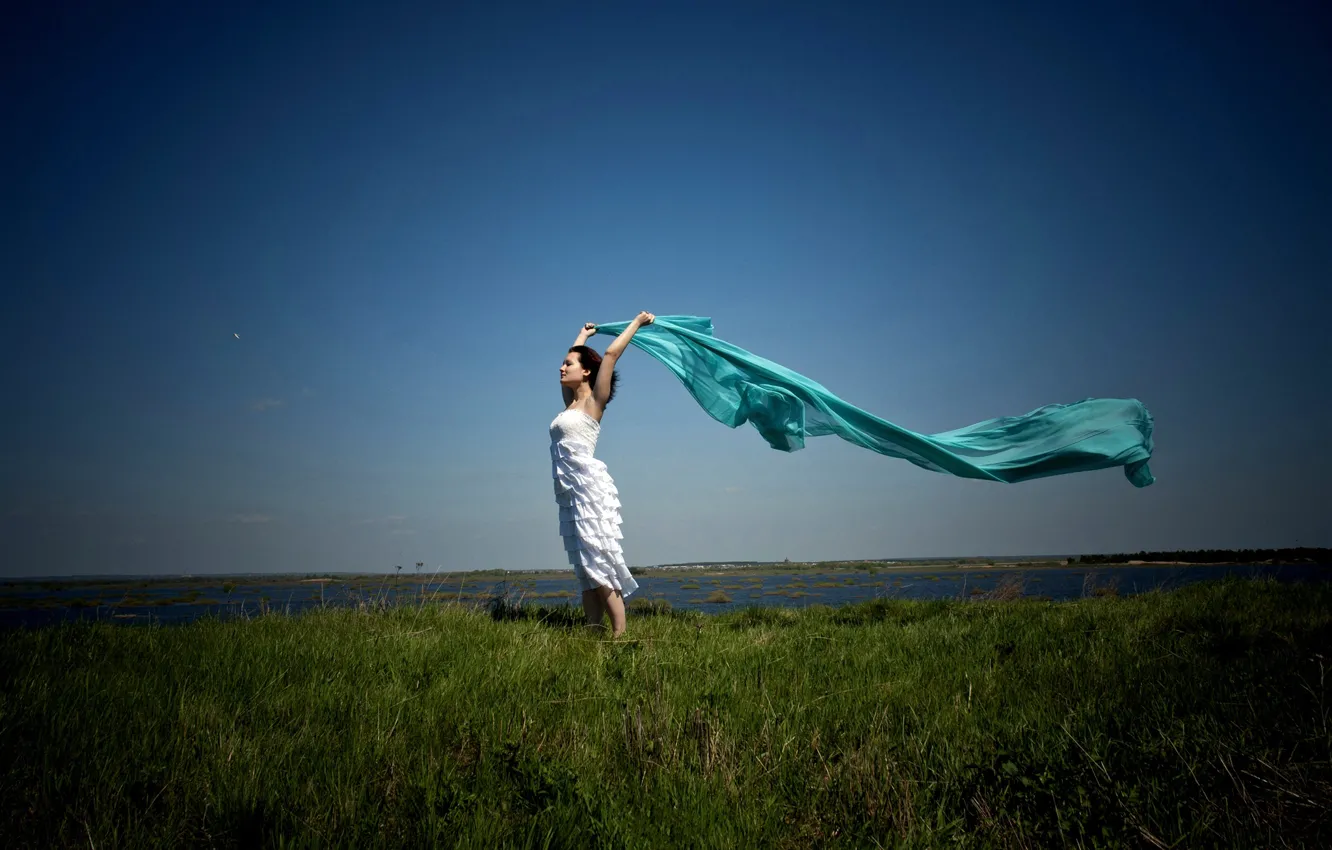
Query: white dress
x=589 y=504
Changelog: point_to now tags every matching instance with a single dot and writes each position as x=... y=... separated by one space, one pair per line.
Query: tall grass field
x=1200 y=717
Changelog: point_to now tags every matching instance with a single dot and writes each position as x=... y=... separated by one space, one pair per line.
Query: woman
x=589 y=503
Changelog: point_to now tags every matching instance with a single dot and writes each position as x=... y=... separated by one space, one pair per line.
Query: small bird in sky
x=237 y=336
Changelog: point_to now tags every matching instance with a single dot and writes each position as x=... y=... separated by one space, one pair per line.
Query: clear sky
x=943 y=212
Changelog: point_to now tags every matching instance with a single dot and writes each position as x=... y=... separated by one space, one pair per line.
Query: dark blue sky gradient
x=942 y=212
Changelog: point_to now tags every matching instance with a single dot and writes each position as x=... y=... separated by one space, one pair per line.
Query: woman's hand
x=601 y=392
x=587 y=330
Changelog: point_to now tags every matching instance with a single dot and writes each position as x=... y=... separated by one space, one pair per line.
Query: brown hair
x=591 y=361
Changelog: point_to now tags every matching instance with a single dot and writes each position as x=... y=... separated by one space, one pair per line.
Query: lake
x=144 y=600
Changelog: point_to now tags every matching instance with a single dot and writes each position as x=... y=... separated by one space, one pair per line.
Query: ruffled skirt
x=589 y=518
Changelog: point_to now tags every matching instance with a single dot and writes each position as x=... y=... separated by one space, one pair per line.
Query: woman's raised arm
x=585 y=334
x=601 y=391
x=581 y=339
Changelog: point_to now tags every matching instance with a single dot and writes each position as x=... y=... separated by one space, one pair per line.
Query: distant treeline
x=1215 y=556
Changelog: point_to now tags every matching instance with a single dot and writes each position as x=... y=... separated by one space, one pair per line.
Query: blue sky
x=942 y=212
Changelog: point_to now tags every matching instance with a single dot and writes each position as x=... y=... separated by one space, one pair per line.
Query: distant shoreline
x=958 y=566
x=721 y=568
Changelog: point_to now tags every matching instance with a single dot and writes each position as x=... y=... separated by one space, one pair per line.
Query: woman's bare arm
x=581 y=339
x=601 y=392
x=585 y=334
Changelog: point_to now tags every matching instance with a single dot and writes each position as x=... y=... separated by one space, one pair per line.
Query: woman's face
x=572 y=372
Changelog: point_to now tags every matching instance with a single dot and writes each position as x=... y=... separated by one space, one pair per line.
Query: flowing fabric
x=735 y=387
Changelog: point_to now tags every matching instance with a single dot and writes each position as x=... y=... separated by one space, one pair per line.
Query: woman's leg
x=592 y=608
x=613 y=603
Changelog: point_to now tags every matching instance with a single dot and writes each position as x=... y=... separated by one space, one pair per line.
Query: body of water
x=33 y=603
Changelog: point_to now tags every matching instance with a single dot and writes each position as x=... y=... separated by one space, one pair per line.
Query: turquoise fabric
x=735 y=387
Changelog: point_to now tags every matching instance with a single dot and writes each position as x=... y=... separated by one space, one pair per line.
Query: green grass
x=1187 y=719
